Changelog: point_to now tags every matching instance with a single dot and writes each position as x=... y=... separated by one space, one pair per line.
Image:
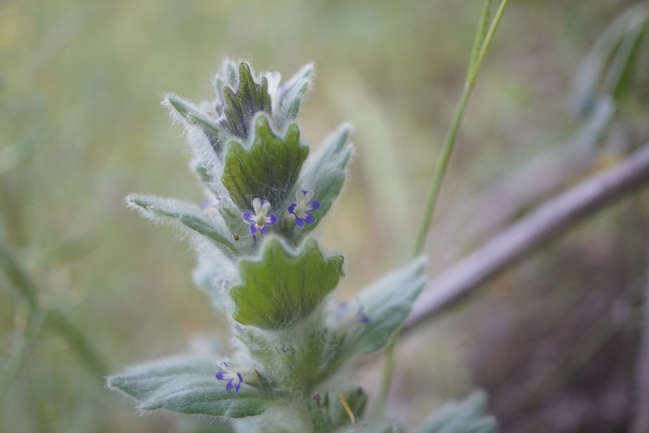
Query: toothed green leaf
x=186 y=384
x=280 y=287
x=242 y=105
x=268 y=169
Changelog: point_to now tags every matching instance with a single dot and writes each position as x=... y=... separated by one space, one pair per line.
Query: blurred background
x=81 y=126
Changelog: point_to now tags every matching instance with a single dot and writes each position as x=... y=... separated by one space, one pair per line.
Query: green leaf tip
x=186 y=215
x=289 y=98
x=267 y=169
x=282 y=286
x=189 y=113
x=186 y=384
x=324 y=173
x=244 y=103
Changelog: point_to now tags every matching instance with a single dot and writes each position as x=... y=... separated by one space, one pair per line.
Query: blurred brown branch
x=493 y=209
x=552 y=216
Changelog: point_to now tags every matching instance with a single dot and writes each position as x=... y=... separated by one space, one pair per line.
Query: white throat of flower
x=302 y=205
x=261 y=212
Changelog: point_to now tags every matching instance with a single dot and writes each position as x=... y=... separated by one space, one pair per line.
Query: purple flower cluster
x=260 y=218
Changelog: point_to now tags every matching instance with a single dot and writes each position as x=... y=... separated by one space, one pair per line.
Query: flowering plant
x=261 y=266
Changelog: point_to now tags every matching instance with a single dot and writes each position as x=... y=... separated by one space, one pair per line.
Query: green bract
x=280 y=287
x=267 y=169
x=260 y=266
x=242 y=104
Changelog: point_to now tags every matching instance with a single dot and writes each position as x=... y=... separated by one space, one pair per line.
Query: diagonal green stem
x=27 y=290
x=449 y=141
x=20 y=356
x=483 y=42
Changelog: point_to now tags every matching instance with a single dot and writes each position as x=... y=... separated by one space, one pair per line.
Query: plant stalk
x=447 y=149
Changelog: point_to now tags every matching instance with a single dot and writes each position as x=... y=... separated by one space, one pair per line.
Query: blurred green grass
x=81 y=126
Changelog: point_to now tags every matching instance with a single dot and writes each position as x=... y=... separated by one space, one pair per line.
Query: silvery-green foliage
x=464 y=417
x=265 y=192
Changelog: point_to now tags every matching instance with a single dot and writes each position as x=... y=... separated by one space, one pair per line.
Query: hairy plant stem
x=484 y=42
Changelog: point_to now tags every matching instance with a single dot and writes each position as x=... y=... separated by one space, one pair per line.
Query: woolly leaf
x=228 y=76
x=386 y=304
x=268 y=169
x=280 y=287
x=233 y=218
x=324 y=173
x=192 y=115
x=186 y=384
x=464 y=417
x=242 y=105
x=289 y=95
x=186 y=214
x=214 y=272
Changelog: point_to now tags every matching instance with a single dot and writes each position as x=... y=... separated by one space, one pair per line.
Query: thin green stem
x=449 y=141
x=440 y=169
x=481 y=33
x=483 y=42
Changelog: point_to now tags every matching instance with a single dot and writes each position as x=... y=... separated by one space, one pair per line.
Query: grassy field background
x=81 y=126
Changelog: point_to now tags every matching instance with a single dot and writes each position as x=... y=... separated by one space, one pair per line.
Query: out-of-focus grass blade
x=23 y=349
x=60 y=252
x=17 y=276
x=608 y=64
x=621 y=70
x=79 y=343
x=28 y=291
x=481 y=33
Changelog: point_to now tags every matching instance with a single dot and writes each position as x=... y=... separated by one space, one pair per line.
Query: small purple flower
x=302 y=208
x=260 y=219
x=234 y=378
